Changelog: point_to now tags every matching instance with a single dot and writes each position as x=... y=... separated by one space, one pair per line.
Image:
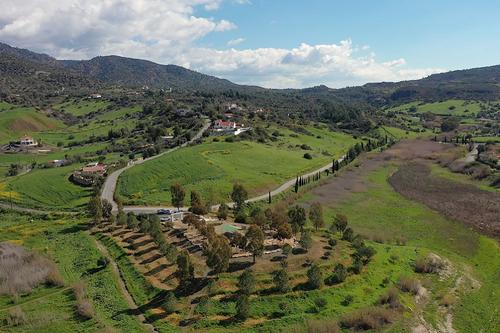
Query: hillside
x=29 y=73
x=135 y=72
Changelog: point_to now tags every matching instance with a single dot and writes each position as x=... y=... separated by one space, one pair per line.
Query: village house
x=94 y=168
x=28 y=141
x=222 y=127
x=89 y=174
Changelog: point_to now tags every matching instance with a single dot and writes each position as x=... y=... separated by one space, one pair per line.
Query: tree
x=169 y=303
x=177 y=192
x=340 y=222
x=316 y=215
x=185 y=269
x=246 y=282
x=284 y=231
x=306 y=239
x=95 y=209
x=222 y=212
x=218 y=252
x=242 y=307
x=122 y=218
x=314 y=277
x=255 y=241
x=197 y=205
x=281 y=279
x=297 y=218
x=450 y=124
x=106 y=208
x=132 y=222
x=348 y=234
x=239 y=195
x=339 y=274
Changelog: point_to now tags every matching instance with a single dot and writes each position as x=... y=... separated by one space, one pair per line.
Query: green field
x=16 y=121
x=461 y=107
x=82 y=107
x=213 y=167
x=46 y=189
x=52 y=310
x=383 y=212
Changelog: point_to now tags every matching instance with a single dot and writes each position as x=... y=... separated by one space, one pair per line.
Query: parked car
x=163 y=212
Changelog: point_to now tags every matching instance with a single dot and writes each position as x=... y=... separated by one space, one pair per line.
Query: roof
x=100 y=168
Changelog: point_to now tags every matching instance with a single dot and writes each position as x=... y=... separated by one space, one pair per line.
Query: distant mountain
x=134 y=72
x=32 y=74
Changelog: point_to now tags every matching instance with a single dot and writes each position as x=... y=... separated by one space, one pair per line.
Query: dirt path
x=121 y=283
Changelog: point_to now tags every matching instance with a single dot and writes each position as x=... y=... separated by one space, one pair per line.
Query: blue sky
x=430 y=33
x=271 y=43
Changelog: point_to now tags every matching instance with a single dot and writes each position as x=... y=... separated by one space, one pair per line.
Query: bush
x=308 y=156
x=409 y=284
x=390 y=298
x=320 y=302
x=322 y=326
x=429 y=264
x=367 y=319
x=23 y=270
x=16 y=317
x=347 y=300
x=84 y=307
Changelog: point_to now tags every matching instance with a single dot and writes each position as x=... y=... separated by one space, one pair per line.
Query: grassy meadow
x=449 y=107
x=212 y=167
x=52 y=309
x=16 y=121
x=383 y=213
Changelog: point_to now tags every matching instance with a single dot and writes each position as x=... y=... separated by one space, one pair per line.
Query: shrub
x=447 y=300
x=368 y=319
x=169 y=303
x=314 y=277
x=347 y=300
x=322 y=326
x=409 y=284
x=22 y=270
x=308 y=156
x=390 y=298
x=320 y=302
x=84 y=307
x=429 y=264
x=16 y=317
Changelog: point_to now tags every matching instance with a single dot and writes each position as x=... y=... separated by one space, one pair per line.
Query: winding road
x=109 y=187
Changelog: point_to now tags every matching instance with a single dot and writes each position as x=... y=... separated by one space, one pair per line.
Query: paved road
x=282 y=188
x=109 y=186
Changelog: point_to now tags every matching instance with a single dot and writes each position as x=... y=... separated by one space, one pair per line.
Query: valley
x=130 y=205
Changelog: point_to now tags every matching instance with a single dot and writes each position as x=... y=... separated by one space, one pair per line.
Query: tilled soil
x=465 y=203
x=461 y=202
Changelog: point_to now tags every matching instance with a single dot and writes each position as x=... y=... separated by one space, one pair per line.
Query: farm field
x=82 y=107
x=45 y=188
x=377 y=211
x=449 y=107
x=52 y=309
x=213 y=167
x=16 y=121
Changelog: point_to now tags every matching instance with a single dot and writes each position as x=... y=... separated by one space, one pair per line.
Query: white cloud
x=168 y=31
x=234 y=42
